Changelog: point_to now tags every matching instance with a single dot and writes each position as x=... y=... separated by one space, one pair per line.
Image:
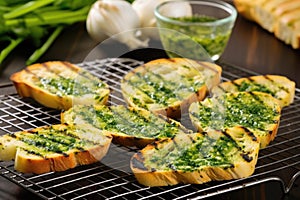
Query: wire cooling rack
x=111 y=178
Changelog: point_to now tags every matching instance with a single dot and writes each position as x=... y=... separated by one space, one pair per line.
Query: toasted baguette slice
x=279 y=87
x=54 y=148
x=257 y=111
x=169 y=86
x=197 y=158
x=60 y=85
x=128 y=126
x=280 y=17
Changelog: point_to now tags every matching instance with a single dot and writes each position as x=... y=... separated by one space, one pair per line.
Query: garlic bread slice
x=257 y=111
x=279 y=87
x=197 y=158
x=60 y=85
x=169 y=86
x=129 y=126
x=54 y=148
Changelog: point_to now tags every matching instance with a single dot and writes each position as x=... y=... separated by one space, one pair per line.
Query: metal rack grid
x=111 y=178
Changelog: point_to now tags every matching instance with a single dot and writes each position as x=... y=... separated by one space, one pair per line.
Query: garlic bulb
x=145 y=10
x=117 y=19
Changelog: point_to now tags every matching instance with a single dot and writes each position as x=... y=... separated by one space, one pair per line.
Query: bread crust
x=30 y=157
x=280 y=87
x=148 y=175
x=126 y=138
x=265 y=135
x=278 y=17
x=208 y=73
x=26 y=83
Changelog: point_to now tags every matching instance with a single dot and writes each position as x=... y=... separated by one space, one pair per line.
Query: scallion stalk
x=39 y=52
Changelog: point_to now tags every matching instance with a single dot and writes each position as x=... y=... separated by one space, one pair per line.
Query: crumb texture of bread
x=197 y=158
x=280 y=87
x=60 y=85
x=257 y=111
x=168 y=86
x=129 y=126
x=278 y=17
x=54 y=148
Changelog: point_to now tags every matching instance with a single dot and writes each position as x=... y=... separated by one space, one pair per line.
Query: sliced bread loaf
x=197 y=158
x=257 y=111
x=279 y=87
x=128 y=126
x=54 y=148
x=60 y=85
x=280 y=17
x=169 y=86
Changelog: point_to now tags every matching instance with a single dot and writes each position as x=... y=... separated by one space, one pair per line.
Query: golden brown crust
x=25 y=84
x=207 y=72
x=265 y=136
x=278 y=17
x=240 y=168
x=72 y=116
x=279 y=87
x=27 y=161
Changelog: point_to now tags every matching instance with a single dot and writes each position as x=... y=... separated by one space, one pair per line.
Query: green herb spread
x=50 y=140
x=250 y=86
x=157 y=89
x=204 y=151
x=184 y=40
x=229 y=110
x=127 y=121
x=80 y=85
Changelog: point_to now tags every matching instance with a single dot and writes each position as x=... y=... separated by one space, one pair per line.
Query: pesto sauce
x=185 y=42
x=129 y=122
x=78 y=86
x=230 y=111
x=205 y=151
x=162 y=91
x=246 y=86
x=50 y=140
x=195 y=18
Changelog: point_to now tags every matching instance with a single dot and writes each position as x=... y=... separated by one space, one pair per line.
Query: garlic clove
x=145 y=10
x=109 y=18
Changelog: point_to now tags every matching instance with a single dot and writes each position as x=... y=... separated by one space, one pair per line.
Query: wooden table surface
x=250 y=47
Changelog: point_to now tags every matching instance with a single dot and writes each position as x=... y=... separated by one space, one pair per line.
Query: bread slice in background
x=280 y=17
x=54 y=148
x=197 y=158
x=169 y=86
x=60 y=85
x=128 y=126
x=256 y=111
x=280 y=87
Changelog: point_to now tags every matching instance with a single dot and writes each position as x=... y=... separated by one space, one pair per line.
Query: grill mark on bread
x=142 y=91
x=280 y=87
x=256 y=97
x=225 y=132
x=235 y=83
x=137 y=162
x=41 y=140
x=129 y=121
x=170 y=85
x=34 y=74
x=221 y=88
x=46 y=66
x=246 y=157
x=250 y=133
